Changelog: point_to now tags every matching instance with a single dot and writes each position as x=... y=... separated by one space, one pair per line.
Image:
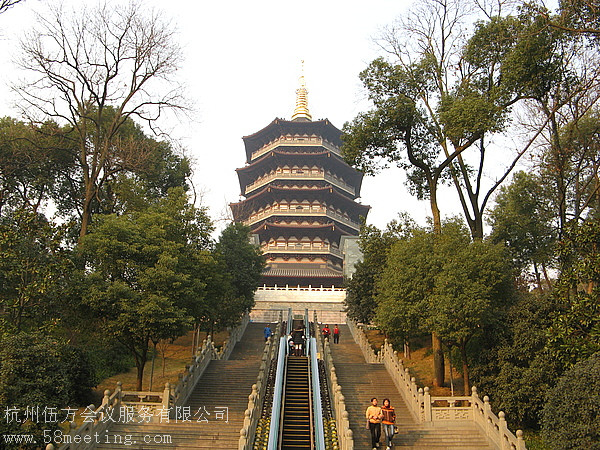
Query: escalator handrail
x=316 y=397
x=307 y=333
x=290 y=320
x=277 y=394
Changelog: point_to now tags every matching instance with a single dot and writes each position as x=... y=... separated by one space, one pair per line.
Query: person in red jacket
x=336 y=335
x=326 y=332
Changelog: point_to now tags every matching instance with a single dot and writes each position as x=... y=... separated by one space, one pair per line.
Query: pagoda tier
x=278 y=165
x=274 y=276
x=274 y=200
x=281 y=133
x=300 y=199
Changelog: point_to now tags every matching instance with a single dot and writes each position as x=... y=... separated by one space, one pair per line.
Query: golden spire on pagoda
x=301 y=112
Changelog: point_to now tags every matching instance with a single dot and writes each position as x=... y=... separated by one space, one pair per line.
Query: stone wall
x=327 y=303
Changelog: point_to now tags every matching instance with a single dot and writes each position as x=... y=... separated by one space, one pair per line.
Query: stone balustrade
x=342 y=422
x=302 y=248
x=360 y=338
x=439 y=410
x=257 y=396
x=299 y=288
x=148 y=406
x=187 y=382
x=233 y=338
x=310 y=141
x=304 y=175
x=313 y=211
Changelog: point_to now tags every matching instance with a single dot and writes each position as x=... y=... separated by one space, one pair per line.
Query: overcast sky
x=242 y=67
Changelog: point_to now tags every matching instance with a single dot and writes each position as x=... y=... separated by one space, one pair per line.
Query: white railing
x=187 y=382
x=313 y=211
x=342 y=421
x=300 y=248
x=360 y=338
x=439 y=410
x=233 y=338
x=149 y=406
x=304 y=175
x=257 y=396
x=295 y=142
x=298 y=288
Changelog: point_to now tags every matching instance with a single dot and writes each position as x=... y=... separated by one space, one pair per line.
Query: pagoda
x=300 y=199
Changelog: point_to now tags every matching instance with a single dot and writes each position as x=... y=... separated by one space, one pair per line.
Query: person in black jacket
x=298 y=337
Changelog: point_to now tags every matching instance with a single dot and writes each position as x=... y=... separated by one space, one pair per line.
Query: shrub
x=571 y=417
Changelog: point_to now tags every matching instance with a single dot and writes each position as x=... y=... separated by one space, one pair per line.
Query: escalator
x=296 y=430
x=296 y=412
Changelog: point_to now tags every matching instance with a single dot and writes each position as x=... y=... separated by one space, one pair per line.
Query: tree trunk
x=436 y=342
x=438 y=361
x=86 y=214
x=152 y=369
x=435 y=213
x=140 y=362
x=548 y=280
x=140 y=375
x=465 y=368
x=538 y=277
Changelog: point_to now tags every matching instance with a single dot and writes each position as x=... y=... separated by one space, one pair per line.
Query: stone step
x=223 y=384
x=361 y=381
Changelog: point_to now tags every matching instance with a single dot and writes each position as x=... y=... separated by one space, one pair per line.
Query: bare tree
x=5 y=4
x=92 y=70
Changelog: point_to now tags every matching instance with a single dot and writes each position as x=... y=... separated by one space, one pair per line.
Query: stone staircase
x=215 y=409
x=361 y=381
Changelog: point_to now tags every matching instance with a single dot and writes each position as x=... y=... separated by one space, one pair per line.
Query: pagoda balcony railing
x=312 y=211
x=300 y=176
x=300 y=248
x=295 y=142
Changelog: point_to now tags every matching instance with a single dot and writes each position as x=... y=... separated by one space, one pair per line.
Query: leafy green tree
x=38 y=373
x=576 y=17
x=439 y=103
x=34 y=164
x=522 y=371
x=243 y=260
x=34 y=266
x=140 y=282
x=575 y=328
x=445 y=284
x=570 y=418
x=443 y=98
x=375 y=245
x=404 y=285
x=523 y=221
x=469 y=293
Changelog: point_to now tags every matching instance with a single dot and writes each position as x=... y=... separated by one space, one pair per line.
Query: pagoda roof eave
x=300 y=155
x=301 y=273
x=266 y=225
x=280 y=127
x=363 y=210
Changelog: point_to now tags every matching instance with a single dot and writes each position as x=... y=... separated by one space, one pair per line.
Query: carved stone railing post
x=427 y=405
x=428 y=409
x=344 y=433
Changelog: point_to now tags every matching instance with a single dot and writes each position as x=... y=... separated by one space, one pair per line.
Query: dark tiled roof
x=313 y=273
